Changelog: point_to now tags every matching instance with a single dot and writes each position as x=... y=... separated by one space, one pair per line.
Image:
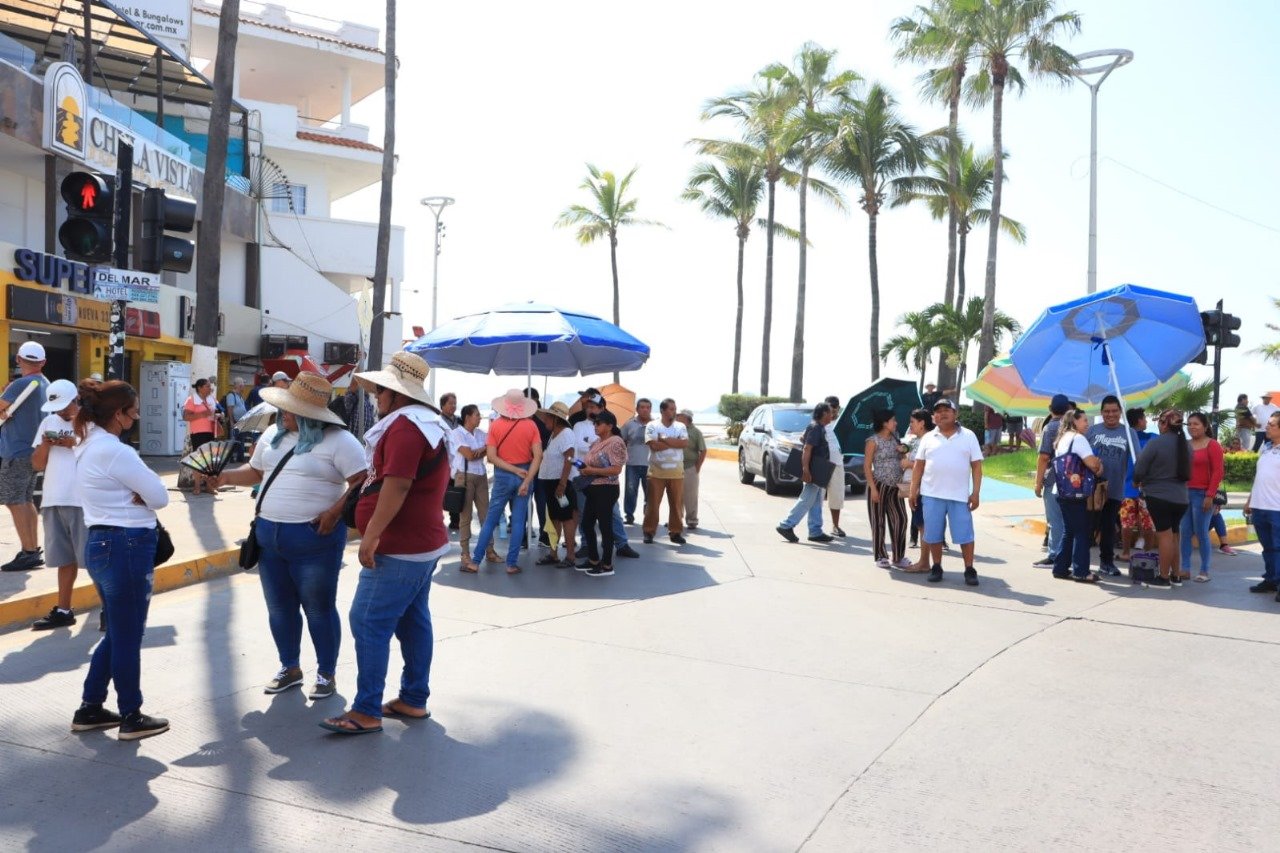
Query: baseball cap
x=279 y=375
x=685 y=413
x=31 y=351
x=945 y=401
x=1059 y=404
x=61 y=393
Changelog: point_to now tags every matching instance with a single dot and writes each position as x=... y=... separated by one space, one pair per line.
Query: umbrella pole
x=1115 y=386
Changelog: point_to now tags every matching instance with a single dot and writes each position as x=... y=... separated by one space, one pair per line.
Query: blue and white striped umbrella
x=531 y=338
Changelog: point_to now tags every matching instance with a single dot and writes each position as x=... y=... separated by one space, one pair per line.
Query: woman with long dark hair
x=883 y=467
x=1072 y=562
x=1206 y=476
x=1162 y=471
x=921 y=422
x=119 y=496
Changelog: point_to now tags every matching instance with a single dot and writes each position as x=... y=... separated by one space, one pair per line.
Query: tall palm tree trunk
x=797 y=343
x=986 y=344
x=617 y=297
x=737 y=327
x=383 y=250
x=945 y=373
x=963 y=250
x=768 y=293
x=875 y=297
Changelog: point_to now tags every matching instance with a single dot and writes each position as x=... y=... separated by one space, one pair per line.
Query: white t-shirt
x=947 y=463
x=1261 y=412
x=1265 y=493
x=109 y=475
x=471 y=441
x=60 y=471
x=553 y=456
x=1079 y=445
x=310 y=483
x=584 y=433
x=833 y=444
x=672 y=458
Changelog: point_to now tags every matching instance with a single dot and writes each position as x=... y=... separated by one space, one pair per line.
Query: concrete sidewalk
x=739 y=694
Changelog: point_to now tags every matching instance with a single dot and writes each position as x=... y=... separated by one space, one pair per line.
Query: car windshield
x=791 y=420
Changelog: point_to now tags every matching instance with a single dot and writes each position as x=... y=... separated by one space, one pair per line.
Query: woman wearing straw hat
x=515 y=450
x=308 y=467
x=400 y=514
x=555 y=481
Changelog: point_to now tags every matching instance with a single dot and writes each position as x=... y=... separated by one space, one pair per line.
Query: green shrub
x=1239 y=467
x=734 y=430
x=971 y=420
x=738 y=407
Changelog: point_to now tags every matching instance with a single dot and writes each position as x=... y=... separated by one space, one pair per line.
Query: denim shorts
x=939 y=514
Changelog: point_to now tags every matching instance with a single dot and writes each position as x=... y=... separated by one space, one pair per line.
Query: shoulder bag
x=1074 y=479
x=355 y=493
x=250 y=550
x=164 y=545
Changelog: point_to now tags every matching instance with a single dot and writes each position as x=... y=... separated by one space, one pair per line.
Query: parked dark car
x=768 y=436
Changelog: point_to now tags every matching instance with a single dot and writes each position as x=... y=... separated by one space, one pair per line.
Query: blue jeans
x=121 y=562
x=506 y=490
x=637 y=484
x=619 y=532
x=1053 y=516
x=1267 y=523
x=1076 y=540
x=1219 y=526
x=391 y=600
x=810 y=503
x=1197 y=523
x=299 y=573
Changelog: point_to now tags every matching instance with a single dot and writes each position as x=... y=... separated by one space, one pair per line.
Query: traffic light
x=1212 y=322
x=1227 y=336
x=1202 y=358
x=157 y=250
x=90 y=198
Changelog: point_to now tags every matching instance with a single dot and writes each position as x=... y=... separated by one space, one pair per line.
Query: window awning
x=125 y=55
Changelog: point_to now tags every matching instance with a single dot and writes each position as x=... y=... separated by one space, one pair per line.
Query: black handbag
x=164 y=545
x=821 y=469
x=455 y=497
x=250 y=549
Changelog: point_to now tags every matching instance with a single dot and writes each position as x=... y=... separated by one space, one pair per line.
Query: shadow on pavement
x=987 y=586
x=203 y=521
x=648 y=577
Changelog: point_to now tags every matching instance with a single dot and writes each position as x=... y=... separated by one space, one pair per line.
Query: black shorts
x=199 y=438
x=554 y=511
x=1165 y=515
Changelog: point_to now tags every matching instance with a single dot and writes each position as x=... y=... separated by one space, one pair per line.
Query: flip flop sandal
x=1203 y=578
x=469 y=568
x=1092 y=577
x=514 y=570
x=389 y=710
x=549 y=560
x=339 y=729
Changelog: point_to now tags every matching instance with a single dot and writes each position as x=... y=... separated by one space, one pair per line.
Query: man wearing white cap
x=20 y=417
x=64 y=531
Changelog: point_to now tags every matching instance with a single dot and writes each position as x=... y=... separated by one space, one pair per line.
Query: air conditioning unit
x=297 y=342
x=337 y=353
x=273 y=346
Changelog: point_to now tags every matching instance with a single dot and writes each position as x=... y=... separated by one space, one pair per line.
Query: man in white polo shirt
x=947 y=459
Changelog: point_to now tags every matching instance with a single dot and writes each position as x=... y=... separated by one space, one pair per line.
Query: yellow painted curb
x=728 y=454
x=27 y=608
x=1237 y=534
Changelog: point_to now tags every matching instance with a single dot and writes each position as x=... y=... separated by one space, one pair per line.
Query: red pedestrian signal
x=87 y=233
x=88 y=195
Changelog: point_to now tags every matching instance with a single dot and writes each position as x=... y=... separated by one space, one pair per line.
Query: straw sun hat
x=557 y=410
x=514 y=404
x=307 y=397
x=406 y=374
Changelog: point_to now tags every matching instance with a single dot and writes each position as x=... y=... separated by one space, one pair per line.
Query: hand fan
x=209 y=458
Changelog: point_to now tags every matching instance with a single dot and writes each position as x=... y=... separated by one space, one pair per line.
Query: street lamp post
x=436 y=204
x=1111 y=59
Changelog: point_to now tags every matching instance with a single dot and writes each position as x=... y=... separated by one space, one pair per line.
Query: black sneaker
x=138 y=725
x=627 y=551
x=630 y=519
x=90 y=717
x=970 y=576
x=787 y=533
x=57 y=618
x=677 y=538
x=935 y=574
x=25 y=561
x=600 y=572
x=1264 y=586
x=821 y=537
x=582 y=565
x=287 y=677
x=1175 y=580
x=648 y=540
x=1043 y=563
x=1160 y=583
x=1109 y=569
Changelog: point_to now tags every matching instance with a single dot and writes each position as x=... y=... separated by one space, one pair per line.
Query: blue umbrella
x=1121 y=340
x=531 y=338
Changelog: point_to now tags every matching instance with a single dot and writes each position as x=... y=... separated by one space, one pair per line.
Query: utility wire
x=1197 y=199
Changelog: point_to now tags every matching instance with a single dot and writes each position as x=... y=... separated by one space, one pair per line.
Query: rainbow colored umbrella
x=1001 y=387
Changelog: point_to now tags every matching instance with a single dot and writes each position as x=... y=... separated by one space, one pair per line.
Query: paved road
x=738 y=694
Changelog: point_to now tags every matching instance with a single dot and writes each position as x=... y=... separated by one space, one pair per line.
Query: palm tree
x=814 y=89
x=1271 y=352
x=958 y=330
x=734 y=193
x=912 y=347
x=965 y=197
x=611 y=210
x=382 y=250
x=874 y=149
x=764 y=113
x=1002 y=33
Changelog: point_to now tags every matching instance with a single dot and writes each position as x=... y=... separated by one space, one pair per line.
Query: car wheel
x=771 y=484
x=745 y=477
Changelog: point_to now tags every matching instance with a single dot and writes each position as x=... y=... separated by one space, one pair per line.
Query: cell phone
x=54 y=435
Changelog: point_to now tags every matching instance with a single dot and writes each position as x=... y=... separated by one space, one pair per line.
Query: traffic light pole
x=1217 y=369
x=121 y=222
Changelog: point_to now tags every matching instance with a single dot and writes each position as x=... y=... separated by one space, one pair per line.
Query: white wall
x=339 y=246
x=296 y=300
x=21 y=210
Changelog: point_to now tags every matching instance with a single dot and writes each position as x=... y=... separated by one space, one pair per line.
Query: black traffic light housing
x=157 y=250
x=1227 y=336
x=87 y=233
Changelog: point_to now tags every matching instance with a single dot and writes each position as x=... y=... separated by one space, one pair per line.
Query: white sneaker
x=884 y=564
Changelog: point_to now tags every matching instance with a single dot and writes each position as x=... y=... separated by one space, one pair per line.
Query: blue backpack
x=1074 y=480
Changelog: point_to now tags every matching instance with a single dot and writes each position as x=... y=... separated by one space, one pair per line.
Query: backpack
x=1074 y=480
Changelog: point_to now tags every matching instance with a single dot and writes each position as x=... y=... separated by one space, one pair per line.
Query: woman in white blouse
x=469 y=472
x=305 y=468
x=119 y=496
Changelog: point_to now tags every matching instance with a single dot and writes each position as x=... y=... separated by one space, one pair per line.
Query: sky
x=502 y=106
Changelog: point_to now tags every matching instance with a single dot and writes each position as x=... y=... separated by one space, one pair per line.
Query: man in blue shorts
x=947 y=460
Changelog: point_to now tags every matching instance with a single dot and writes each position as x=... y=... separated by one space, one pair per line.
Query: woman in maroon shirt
x=1206 y=476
